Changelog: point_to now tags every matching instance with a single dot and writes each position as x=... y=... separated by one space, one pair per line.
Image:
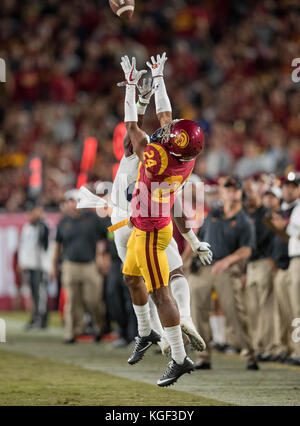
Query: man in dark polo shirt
x=230 y=233
x=77 y=236
x=260 y=275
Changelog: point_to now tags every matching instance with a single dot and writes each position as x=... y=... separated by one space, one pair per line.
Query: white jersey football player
x=121 y=196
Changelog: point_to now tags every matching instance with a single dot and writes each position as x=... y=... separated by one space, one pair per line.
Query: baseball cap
x=234 y=182
x=291 y=179
x=274 y=190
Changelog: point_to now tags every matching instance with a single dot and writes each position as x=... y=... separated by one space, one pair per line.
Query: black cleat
x=141 y=345
x=281 y=357
x=252 y=365
x=264 y=358
x=292 y=361
x=174 y=371
x=202 y=365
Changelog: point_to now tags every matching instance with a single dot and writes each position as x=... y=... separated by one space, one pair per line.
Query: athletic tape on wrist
x=130 y=105
x=141 y=109
x=162 y=101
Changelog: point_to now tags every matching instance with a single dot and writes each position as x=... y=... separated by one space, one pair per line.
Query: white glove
x=162 y=101
x=132 y=76
x=146 y=90
x=200 y=248
x=157 y=66
x=204 y=253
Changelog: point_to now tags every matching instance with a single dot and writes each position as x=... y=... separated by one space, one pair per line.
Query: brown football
x=122 y=8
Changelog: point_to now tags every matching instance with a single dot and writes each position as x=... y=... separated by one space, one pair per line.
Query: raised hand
x=132 y=76
x=157 y=66
x=146 y=90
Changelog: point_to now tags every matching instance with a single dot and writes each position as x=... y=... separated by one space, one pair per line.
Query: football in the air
x=122 y=8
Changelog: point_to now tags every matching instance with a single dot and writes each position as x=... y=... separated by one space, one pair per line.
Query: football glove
x=132 y=76
x=157 y=66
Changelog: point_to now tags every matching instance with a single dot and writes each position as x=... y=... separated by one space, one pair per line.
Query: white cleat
x=165 y=346
x=188 y=328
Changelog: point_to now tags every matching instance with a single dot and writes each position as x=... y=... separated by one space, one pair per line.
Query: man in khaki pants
x=231 y=235
x=283 y=345
x=293 y=230
x=77 y=236
x=259 y=283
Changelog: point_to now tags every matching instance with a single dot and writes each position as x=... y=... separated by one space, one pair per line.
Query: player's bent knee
x=161 y=296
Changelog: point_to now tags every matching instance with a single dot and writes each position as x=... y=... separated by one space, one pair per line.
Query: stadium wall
x=12 y=294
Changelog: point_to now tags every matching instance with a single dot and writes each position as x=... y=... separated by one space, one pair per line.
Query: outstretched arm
x=146 y=90
x=200 y=248
x=136 y=135
x=127 y=145
x=162 y=101
x=137 y=138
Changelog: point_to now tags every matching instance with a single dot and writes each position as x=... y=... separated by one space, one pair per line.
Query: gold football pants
x=146 y=256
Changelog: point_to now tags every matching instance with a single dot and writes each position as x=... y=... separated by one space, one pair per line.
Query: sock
x=218 y=328
x=154 y=318
x=174 y=336
x=143 y=319
x=181 y=292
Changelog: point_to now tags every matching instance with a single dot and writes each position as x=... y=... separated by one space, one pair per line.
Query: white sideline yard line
x=228 y=381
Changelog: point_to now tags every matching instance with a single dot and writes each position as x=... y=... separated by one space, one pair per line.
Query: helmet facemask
x=163 y=135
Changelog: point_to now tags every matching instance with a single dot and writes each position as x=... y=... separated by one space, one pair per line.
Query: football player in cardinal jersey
x=121 y=195
x=166 y=164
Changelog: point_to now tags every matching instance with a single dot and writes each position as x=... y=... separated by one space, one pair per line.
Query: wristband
x=141 y=105
x=192 y=239
x=141 y=108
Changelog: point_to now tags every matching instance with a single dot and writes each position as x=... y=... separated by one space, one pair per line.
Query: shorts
x=122 y=236
x=146 y=256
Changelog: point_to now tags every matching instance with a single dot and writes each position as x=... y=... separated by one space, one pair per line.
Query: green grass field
x=37 y=369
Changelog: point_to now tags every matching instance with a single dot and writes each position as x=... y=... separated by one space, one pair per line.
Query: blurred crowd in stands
x=229 y=68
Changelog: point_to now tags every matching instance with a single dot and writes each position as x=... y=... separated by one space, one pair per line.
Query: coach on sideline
x=231 y=235
x=77 y=236
x=283 y=317
x=260 y=274
x=293 y=230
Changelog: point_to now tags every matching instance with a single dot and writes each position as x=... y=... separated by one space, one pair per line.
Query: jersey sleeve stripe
x=163 y=158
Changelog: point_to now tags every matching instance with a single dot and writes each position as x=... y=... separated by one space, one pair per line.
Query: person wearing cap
x=293 y=232
x=259 y=282
x=231 y=235
x=32 y=260
x=277 y=223
x=272 y=198
x=77 y=236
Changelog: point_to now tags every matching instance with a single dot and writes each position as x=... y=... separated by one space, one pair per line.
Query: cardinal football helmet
x=182 y=138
